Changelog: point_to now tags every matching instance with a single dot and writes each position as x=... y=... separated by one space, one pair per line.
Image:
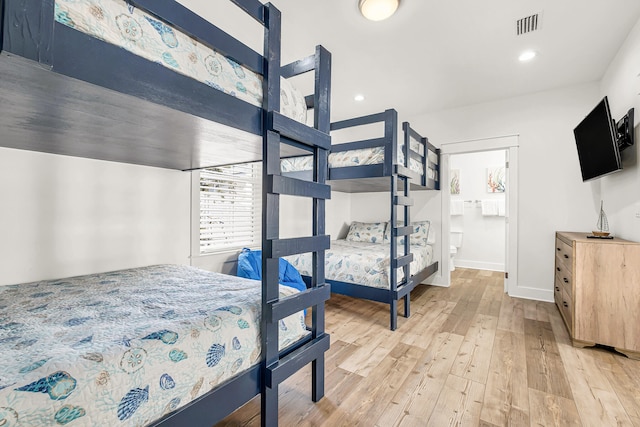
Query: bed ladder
x=278 y=366
x=400 y=201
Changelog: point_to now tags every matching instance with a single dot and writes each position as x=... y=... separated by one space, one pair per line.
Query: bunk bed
x=68 y=87
x=379 y=165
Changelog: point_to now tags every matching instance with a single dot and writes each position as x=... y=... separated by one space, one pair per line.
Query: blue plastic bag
x=250 y=267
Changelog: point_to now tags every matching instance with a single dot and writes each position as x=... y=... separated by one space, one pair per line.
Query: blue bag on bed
x=250 y=267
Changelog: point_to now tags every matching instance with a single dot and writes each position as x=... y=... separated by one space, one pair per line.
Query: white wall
x=64 y=216
x=621 y=191
x=483 y=243
x=552 y=195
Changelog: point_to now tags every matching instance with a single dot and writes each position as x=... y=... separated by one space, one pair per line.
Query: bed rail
x=431 y=167
x=388 y=141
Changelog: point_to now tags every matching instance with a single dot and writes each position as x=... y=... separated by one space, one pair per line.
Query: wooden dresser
x=597 y=290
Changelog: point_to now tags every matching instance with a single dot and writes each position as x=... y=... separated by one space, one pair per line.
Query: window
x=230 y=200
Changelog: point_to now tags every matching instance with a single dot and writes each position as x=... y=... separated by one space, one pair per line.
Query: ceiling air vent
x=528 y=24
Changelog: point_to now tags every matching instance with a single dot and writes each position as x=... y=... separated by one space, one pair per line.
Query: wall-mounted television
x=600 y=140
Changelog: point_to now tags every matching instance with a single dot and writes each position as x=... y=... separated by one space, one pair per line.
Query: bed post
x=391 y=135
x=270 y=212
x=407 y=211
x=322 y=122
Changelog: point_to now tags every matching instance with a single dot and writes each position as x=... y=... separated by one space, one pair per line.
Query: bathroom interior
x=478 y=201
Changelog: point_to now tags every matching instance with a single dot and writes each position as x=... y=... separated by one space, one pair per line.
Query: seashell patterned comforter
x=126 y=347
x=145 y=35
x=362 y=263
x=360 y=157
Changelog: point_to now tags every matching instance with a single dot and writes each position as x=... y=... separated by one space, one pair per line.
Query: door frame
x=510 y=144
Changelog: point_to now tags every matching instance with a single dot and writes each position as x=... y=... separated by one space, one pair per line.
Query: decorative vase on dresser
x=597 y=290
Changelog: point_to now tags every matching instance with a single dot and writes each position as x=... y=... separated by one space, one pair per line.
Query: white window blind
x=230 y=213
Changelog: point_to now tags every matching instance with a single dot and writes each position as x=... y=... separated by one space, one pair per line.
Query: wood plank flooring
x=468 y=356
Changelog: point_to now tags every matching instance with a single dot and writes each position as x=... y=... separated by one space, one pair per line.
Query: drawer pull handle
x=558 y=248
x=558 y=268
x=565 y=304
x=565 y=280
x=566 y=256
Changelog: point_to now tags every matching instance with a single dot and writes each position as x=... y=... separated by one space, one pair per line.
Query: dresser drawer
x=557 y=293
x=566 y=307
x=564 y=277
x=565 y=253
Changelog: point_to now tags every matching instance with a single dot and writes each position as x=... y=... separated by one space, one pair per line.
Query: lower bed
x=363 y=263
x=362 y=270
x=126 y=347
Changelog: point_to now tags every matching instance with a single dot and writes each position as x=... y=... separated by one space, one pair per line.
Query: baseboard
x=436 y=280
x=479 y=265
x=533 y=294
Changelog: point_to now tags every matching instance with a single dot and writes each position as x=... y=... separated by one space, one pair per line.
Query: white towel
x=502 y=211
x=489 y=207
x=457 y=207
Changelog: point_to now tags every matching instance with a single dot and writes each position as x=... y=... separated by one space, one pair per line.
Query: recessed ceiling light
x=359 y=98
x=527 y=55
x=378 y=10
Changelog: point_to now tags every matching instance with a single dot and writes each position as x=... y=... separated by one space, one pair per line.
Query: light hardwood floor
x=468 y=356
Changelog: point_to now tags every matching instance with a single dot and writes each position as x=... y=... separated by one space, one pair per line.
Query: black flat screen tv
x=596 y=140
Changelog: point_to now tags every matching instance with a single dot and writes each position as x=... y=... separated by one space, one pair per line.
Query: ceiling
x=433 y=54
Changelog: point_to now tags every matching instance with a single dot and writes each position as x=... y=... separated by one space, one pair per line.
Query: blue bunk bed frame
x=397 y=179
x=67 y=71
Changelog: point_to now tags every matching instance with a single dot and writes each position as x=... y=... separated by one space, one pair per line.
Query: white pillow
x=422 y=234
x=372 y=232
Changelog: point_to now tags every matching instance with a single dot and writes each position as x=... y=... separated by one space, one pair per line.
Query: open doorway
x=477 y=210
x=481 y=221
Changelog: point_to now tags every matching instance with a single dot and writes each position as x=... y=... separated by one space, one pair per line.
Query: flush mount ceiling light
x=378 y=10
x=359 y=98
x=527 y=55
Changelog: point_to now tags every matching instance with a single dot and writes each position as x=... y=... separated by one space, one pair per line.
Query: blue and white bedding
x=362 y=263
x=126 y=347
x=145 y=35
x=366 y=156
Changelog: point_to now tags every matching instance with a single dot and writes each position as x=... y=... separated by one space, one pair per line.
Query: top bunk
x=147 y=82
x=366 y=165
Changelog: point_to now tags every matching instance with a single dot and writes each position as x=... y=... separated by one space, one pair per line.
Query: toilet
x=455 y=240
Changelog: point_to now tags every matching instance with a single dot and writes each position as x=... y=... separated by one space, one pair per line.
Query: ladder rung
x=408 y=173
x=402 y=261
x=403 y=231
x=278 y=184
x=299 y=245
x=298 y=302
x=403 y=201
x=294 y=361
x=299 y=132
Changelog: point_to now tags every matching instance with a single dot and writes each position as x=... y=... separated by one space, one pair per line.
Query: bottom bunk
x=362 y=270
x=142 y=346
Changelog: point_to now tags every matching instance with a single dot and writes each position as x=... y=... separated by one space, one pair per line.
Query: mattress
x=124 y=348
x=147 y=36
x=362 y=263
x=366 y=156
